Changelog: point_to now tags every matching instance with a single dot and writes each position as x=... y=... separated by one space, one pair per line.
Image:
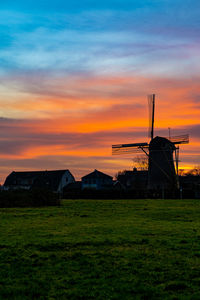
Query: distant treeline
x=31 y=198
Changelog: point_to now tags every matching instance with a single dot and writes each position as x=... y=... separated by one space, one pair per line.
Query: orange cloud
x=82 y=118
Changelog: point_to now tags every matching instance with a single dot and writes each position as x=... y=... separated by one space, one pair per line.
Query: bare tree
x=194 y=172
x=181 y=172
x=141 y=162
x=119 y=173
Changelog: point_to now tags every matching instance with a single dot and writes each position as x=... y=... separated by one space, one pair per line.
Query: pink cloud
x=100 y=111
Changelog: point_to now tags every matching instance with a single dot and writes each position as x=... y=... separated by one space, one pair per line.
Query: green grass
x=101 y=249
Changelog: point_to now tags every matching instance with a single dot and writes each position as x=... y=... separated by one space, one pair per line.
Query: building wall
x=66 y=179
x=96 y=183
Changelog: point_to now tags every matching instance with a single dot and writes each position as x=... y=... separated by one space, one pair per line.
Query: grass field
x=101 y=249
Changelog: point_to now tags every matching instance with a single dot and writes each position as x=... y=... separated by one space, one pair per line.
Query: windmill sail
x=180 y=139
x=128 y=148
x=151 y=104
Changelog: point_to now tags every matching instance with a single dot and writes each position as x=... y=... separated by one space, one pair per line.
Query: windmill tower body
x=161 y=171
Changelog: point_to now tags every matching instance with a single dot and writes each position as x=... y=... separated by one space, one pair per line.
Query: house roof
x=39 y=178
x=133 y=173
x=96 y=174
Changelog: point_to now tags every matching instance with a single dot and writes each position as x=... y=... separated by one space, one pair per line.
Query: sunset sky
x=75 y=75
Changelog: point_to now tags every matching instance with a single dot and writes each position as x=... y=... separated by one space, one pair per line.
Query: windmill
x=162 y=152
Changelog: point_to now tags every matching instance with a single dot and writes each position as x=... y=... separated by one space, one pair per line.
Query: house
x=135 y=179
x=54 y=180
x=190 y=186
x=96 y=181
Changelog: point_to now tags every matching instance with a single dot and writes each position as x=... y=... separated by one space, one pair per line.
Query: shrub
x=33 y=198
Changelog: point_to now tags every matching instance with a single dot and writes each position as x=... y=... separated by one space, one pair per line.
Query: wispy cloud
x=74 y=79
x=72 y=49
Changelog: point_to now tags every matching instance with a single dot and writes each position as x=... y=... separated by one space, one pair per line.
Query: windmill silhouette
x=162 y=152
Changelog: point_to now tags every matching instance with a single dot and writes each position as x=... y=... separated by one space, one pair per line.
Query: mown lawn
x=101 y=249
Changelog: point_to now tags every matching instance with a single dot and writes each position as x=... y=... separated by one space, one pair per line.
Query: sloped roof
x=129 y=173
x=96 y=174
x=39 y=178
x=133 y=175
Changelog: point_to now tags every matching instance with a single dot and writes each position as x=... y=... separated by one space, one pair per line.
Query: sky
x=75 y=75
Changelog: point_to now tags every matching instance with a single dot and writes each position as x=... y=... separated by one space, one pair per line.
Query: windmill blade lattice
x=128 y=148
x=180 y=139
